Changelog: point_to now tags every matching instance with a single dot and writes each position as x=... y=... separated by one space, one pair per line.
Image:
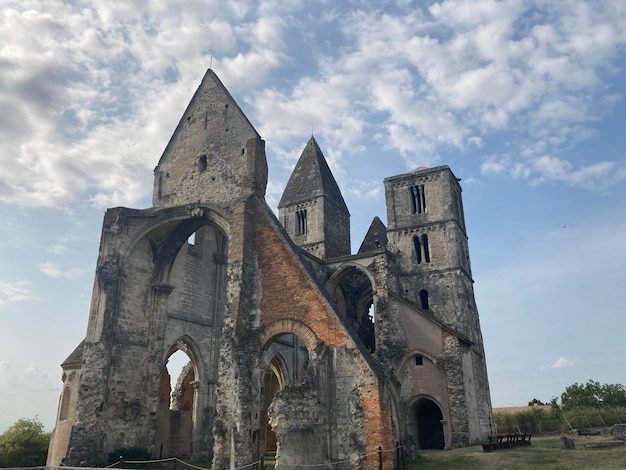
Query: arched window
x=418 y=199
x=424 y=298
x=301 y=227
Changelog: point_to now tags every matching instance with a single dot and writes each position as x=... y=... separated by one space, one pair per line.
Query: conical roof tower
x=376 y=237
x=312 y=209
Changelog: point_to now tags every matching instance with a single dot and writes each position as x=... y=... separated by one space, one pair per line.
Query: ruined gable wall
x=271 y=290
x=289 y=292
x=132 y=329
x=215 y=155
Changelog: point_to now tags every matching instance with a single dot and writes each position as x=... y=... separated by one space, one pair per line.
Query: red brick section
x=287 y=325
x=377 y=428
x=292 y=303
x=290 y=293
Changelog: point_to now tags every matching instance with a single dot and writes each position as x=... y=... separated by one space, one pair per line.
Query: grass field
x=547 y=453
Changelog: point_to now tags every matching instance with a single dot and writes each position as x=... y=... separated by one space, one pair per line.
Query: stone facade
x=295 y=345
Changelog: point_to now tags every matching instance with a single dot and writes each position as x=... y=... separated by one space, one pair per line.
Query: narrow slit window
x=65 y=403
x=419 y=360
x=418 y=249
x=424 y=298
x=426 y=249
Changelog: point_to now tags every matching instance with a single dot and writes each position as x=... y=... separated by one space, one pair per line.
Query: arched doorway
x=175 y=416
x=428 y=424
x=287 y=360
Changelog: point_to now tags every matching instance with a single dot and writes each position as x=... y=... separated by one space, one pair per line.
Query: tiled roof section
x=311 y=178
x=76 y=357
x=376 y=237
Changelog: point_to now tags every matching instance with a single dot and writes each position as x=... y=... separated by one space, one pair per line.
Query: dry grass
x=547 y=453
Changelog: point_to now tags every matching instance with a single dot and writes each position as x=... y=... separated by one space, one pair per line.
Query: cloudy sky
x=524 y=100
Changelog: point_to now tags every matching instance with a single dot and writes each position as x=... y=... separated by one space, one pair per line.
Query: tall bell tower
x=431 y=269
x=426 y=229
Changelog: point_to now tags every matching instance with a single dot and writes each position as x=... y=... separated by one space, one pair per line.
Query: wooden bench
x=506 y=441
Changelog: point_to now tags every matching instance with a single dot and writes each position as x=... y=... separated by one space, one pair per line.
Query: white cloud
x=15 y=292
x=87 y=103
x=548 y=168
x=55 y=271
x=562 y=362
x=494 y=165
x=32 y=378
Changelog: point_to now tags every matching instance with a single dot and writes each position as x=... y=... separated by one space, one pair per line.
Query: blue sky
x=524 y=100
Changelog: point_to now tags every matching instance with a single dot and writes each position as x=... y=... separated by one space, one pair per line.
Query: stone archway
x=177 y=409
x=353 y=289
x=426 y=423
x=275 y=378
x=286 y=357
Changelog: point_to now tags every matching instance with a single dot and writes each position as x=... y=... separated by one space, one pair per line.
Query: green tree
x=593 y=395
x=24 y=444
x=613 y=395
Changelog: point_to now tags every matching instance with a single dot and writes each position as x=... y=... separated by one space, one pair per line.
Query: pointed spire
x=376 y=237
x=311 y=178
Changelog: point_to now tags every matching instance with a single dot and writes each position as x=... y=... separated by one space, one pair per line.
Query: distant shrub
x=542 y=420
x=533 y=420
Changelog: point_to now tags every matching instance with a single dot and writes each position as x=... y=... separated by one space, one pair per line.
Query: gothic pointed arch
x=353 y=288
x=177 y=412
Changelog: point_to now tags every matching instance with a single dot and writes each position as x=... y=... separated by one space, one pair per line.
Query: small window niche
x=202 y=163
x=419 y=360
x=424 y=299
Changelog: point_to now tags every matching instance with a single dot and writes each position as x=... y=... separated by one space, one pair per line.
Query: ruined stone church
x=295 y=344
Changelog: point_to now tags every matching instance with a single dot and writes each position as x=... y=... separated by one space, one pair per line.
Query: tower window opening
x=418 y=249
x=424 y=298
x=419 y=360
x=301 y=222
x=418 y=199
x=425 y=247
